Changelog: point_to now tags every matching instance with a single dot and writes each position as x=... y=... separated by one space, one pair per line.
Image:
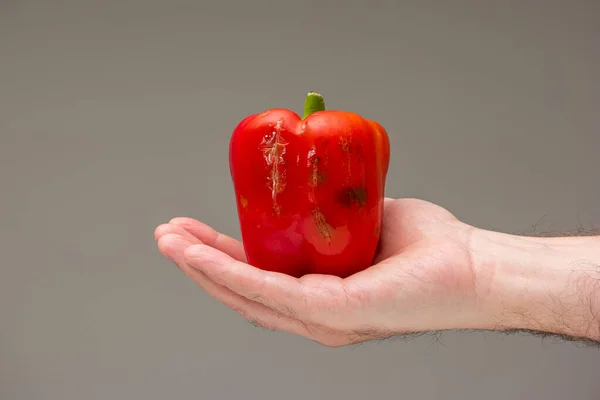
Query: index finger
x=208 y=235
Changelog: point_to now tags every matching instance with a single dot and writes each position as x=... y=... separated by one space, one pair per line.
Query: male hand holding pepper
x=432 y=272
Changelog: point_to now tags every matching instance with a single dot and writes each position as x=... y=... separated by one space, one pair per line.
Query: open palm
x=421 y=279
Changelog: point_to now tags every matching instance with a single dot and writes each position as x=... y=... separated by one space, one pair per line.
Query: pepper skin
x=310 y=190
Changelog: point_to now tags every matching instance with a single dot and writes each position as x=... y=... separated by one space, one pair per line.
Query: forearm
x=548 y=284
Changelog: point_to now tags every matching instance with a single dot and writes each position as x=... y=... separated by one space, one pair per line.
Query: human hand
x=422 y=279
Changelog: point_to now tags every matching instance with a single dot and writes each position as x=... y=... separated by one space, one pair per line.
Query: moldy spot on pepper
x=273 y=147
x=351 y=195
x=316 y=175
x=321 y=223
x=345 y=145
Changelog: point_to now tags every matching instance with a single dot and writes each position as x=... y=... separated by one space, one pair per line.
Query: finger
x=211 y=237
x=287 y=295
x=164 y=229
x=173 y=246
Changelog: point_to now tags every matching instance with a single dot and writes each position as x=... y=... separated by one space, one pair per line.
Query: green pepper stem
x=314 y=102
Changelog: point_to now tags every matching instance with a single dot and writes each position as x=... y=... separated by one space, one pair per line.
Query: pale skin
x=432 y=273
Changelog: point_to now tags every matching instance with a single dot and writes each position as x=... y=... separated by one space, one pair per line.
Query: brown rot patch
x=322 y=224
x=316 y=178
x=352 y=195
x=345 y=144
x=348 y=144
x=316 y=174
x=273 y=147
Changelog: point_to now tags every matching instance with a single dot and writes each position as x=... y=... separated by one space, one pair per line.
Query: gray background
x=115 y=116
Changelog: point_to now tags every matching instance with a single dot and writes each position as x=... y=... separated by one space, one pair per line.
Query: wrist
x=542 y=284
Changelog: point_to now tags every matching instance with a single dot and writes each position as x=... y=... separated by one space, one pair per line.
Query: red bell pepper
x=309 y=190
